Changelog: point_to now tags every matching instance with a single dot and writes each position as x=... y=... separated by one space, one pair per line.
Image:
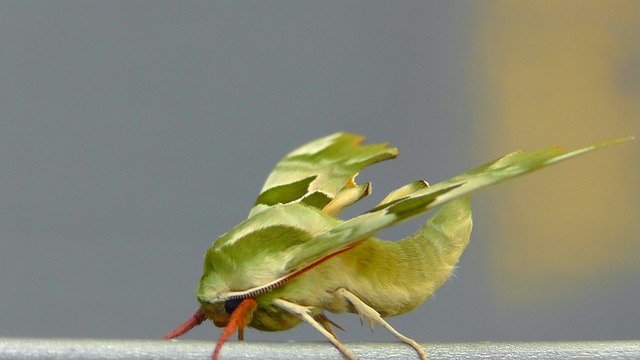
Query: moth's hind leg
x=373 y=317
x=304 y=313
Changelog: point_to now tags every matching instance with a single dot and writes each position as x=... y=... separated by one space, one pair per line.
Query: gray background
x=133 y=133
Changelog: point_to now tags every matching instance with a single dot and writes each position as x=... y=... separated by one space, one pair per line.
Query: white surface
x=158 y=349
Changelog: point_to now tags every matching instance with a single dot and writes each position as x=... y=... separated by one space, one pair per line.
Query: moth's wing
x=321 y=174
x=418 y=200
x=403 y=192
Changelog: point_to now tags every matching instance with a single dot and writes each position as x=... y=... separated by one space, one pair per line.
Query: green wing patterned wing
x=416 y=198
x=321 y=174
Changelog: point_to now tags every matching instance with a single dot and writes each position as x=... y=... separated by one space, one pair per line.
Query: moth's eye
x=231 y=304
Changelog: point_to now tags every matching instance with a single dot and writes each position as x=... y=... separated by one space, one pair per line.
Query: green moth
x=293 y=259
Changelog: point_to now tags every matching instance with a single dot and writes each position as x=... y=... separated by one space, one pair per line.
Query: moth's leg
x=372 y=316
x=326 y=323
x=304 y=313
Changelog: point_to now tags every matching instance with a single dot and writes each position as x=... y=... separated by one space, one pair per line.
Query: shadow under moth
x=293 y=259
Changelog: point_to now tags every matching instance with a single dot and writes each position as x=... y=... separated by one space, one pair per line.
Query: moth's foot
x=368 y=313
x=305 y=314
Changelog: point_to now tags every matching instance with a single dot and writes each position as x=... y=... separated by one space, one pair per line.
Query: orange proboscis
x=240 y=318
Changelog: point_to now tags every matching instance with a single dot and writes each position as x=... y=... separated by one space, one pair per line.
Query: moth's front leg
x=372 y=316
x=304 y=313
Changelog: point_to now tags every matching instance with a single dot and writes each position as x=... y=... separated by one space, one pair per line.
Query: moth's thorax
x=255 y=256
x=248 y=261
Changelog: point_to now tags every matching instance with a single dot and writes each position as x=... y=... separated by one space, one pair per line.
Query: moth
x=292 y=260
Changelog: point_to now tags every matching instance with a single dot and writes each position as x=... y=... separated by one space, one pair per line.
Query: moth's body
x=293 y=259
x=391 y=277
x=382 y=274
x=387 y=291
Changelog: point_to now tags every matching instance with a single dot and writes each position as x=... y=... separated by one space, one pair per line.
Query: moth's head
x=226 y=282
x=220 y=311
x=218 y=302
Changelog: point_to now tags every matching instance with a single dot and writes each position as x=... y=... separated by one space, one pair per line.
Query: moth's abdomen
x=396 y=277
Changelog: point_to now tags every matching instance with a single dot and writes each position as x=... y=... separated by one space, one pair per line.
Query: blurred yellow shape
x=566 y=73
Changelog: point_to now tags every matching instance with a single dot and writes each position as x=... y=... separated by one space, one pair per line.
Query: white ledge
x=20 y=348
